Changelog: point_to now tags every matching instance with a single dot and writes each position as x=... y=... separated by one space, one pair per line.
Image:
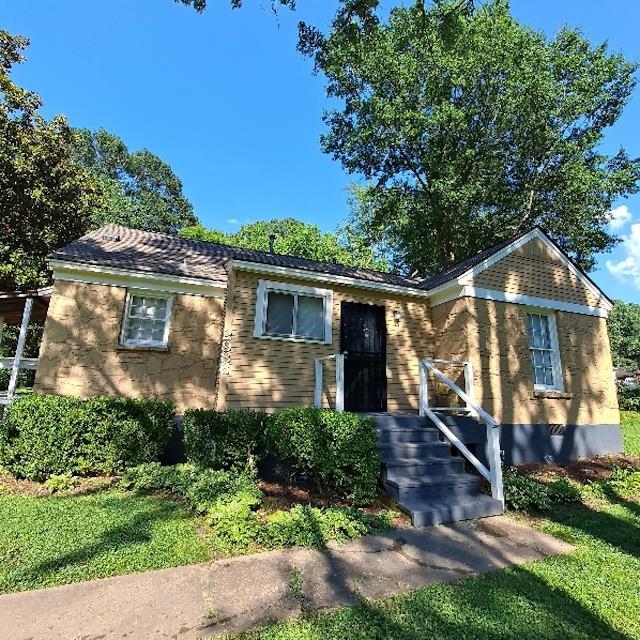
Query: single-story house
x=206 y=325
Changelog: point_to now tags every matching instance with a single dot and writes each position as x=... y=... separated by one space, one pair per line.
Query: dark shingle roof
x=459 y=268
x=123 y=248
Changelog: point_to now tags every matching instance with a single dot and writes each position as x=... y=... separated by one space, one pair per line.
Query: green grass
x=592 y=592
x=46 y=541
x=630 y=422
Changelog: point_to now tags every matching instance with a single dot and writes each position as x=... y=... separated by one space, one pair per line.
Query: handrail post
x=495 y=463
x=22 y=338
x=468 y=387
x=317 y=392
x=340 y=382
x=424 y=389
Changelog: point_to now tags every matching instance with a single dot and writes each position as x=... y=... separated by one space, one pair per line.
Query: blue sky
x=225 y=99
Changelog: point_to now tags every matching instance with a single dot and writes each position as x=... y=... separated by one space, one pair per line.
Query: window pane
x=548 y=373
x=279 y=314
x=310 y=317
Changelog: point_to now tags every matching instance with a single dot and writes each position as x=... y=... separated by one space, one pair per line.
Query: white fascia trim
x=465 y=278
x=532 y=301
x=327 y=278
x=111 y=276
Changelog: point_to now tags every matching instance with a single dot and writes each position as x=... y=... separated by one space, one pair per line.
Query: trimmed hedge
x=46 y=435
x=337 y=450
x=231 y=439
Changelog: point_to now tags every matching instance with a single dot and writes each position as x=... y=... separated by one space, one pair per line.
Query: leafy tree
x=624 y=334
x=141 y=190
x=296 y=238
x=45 y=196
x=469 y=127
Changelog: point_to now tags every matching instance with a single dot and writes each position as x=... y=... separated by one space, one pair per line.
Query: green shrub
x=224 y=439
x=628 y=399
x=46 y=435
x=564 y=491
x=337 y=450
x=200 y=488
x=523 y=494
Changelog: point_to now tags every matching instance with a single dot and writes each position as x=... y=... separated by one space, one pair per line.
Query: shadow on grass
x=600 y=525
x=512 y=604
x=134 y=529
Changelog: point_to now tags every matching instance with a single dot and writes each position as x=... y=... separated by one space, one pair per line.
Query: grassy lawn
x=631 y=432
x=593 y=592
x=46 y=541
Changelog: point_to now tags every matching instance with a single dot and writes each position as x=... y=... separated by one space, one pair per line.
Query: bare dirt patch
x=582 y=471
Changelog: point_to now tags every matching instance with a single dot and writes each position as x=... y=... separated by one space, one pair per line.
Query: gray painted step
x=398 y=420
x=416 y=450
x=452 y=485
x=420 y=435
x=415 y=467
x=425 y=513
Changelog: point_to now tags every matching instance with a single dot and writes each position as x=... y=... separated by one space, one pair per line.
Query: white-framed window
x=146 y=319
x=293 y=312
x=544 y=350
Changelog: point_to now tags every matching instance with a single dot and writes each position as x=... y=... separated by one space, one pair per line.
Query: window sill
x=292 y=339
x=550 y=394
x=141 y=347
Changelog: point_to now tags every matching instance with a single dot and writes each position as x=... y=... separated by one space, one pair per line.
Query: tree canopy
x=141 y=190
x=624 y=334
x=46 y=198
x=469 y=128
x=296 y=238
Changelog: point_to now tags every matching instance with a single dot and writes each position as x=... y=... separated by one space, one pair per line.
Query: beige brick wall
x=269 y=374
x=534 y=271
x=80 y=353
x=493 y=336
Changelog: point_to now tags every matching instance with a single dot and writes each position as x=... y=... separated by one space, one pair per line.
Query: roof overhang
x=111 y=276
x=327 y=278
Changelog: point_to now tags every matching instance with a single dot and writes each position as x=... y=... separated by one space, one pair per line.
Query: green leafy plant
x=337 y=450
x=45 y=435
x=308 y=526
x=224 y=439
x=523 y=494
x=62 y=482
x=198 y=487
x=564 y=491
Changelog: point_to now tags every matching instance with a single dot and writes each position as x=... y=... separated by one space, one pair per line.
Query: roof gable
x=466 y=272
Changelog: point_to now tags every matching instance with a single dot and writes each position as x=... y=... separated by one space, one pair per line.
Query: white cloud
x=233 y=221
x=628 y=269
x=619 y=217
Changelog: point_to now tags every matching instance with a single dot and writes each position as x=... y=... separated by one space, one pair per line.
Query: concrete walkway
x=233 y=595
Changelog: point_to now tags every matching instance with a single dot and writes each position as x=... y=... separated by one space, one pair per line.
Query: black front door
x=363 y=336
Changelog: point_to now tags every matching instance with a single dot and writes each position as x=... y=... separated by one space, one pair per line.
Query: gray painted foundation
x=524 y=443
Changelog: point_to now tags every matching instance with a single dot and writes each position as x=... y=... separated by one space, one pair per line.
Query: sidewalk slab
x=233 y=595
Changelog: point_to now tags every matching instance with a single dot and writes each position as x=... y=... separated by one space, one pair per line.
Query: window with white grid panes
x=543 y=347
x=146 y=320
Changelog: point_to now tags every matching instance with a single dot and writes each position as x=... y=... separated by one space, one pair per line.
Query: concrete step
x=401 y=468
x=419 y=451
x=425 y=513
x=398 y=420
x=452 y=485
x=420 y=435
x=460 y=420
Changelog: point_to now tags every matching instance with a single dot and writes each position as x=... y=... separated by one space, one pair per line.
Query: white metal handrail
x=494 y=473
x=317 y=395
